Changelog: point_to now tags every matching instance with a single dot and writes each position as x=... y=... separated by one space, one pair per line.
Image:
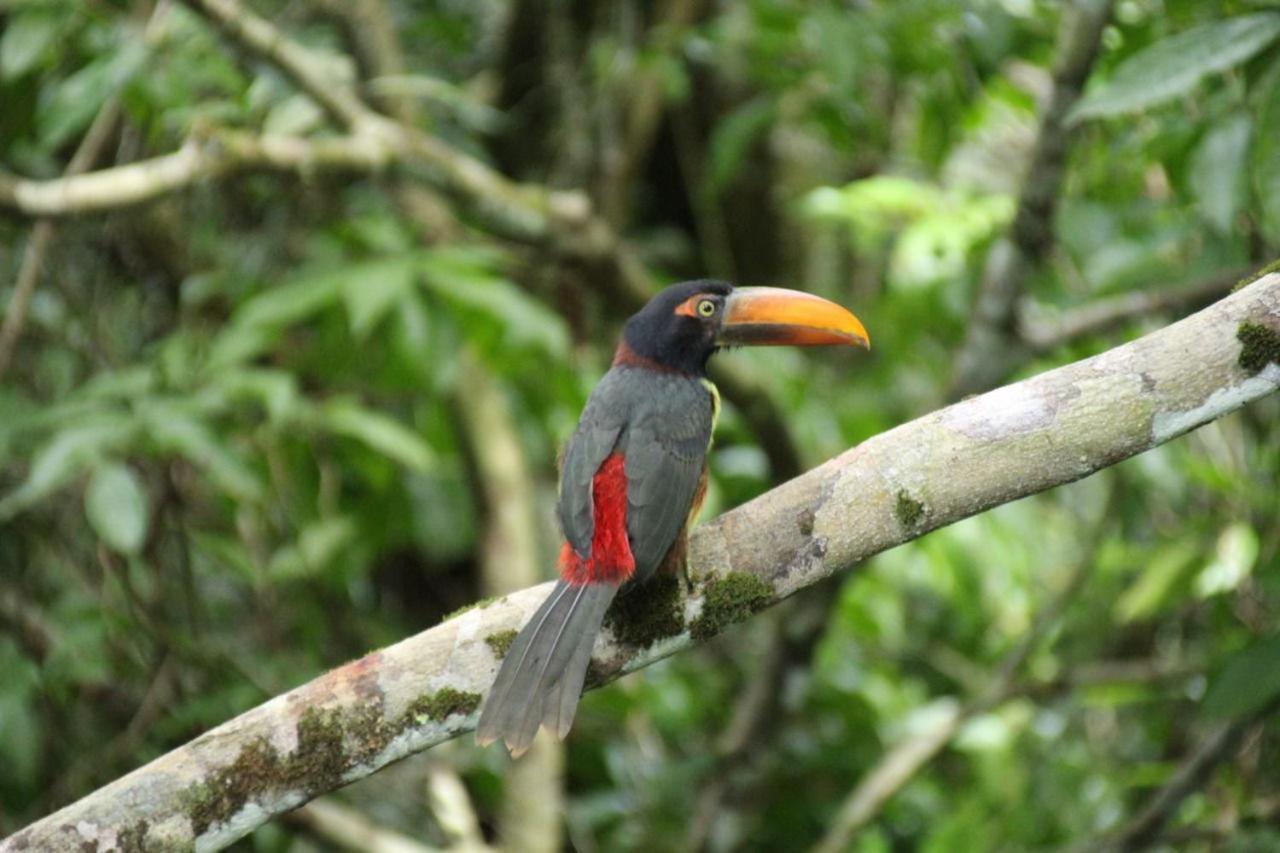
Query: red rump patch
x=611 y=560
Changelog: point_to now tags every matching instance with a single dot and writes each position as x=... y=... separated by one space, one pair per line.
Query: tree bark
x=987 y=450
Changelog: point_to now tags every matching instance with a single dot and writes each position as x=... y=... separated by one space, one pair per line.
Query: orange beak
x=772 y=316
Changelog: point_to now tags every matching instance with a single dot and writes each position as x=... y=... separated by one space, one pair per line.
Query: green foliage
x=727 y=600
x=934 y=232
x=1219 y=171
x=231 y=454
x=1248 y=681
x=1266 y=160
x=1173 y=66
x=642 y=618
x=117 y=507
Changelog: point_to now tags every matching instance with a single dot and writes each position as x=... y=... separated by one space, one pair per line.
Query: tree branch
x=206 y=155
x=1192 y=774
x=349 y=829
x=301 y=65
x=1015 y=441
x=985 y=356
x=533 y=796
x=1043 y=330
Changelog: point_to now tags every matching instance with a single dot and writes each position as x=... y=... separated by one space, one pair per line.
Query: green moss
x=910 y=511
x=133 y=836
x=443 y=703
x=321 y=758
x=1274 y=266
x=649 y=613
x=330 y=743
x=480 y=604
x=225 y=791
x=1259 y=346
x=730 y=599
x=500 y=642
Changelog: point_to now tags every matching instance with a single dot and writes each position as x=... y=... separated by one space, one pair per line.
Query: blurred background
x=299 y=406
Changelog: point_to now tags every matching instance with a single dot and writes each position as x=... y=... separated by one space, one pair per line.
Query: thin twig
x=15 y=315
x=1043 y=330
x=533 y=805
x=901 y=764
x=642 y=104
x=985 y=357
x=351 y=830
x=794 y=633
x=1192 y=774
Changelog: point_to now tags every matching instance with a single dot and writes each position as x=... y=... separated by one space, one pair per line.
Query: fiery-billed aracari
x=633 y=478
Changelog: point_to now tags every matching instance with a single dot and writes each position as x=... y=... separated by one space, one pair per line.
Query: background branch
x=1192 y=774
x=351 y=830
x=1018 y=440
x=985 y=357
x=42 y=233
x=899 y=766
x=1043 y=330
x=533 y=802
x=207 y=155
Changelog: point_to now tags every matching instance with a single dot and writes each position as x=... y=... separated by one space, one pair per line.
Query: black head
x=683 y=325
x=677 y=330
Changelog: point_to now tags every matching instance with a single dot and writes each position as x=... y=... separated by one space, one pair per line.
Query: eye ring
x=706 y=308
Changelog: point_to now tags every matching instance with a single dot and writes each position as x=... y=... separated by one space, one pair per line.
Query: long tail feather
x=541 y=676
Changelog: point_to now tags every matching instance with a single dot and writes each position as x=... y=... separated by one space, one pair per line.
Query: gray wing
x=595 y=438
x=664 y=457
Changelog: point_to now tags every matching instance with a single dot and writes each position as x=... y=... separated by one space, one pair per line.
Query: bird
x=632 y=479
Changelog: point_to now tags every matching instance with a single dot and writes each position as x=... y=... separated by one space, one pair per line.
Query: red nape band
x=625 y=355
x=611 y=560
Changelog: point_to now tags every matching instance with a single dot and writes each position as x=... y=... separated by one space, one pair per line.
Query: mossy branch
x=1015 y=441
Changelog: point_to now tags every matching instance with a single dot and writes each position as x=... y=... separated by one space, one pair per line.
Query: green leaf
x=296 y=299
x=176 y=429
x=315 y=547
x=238 y=343
x=1266 y=163
x=371 y=290
x=379 y=432
x=1174 y=66
x=77 y=99
x=1218 y=171
x=123 y=384
x=117 y=507
x=1233 y=561
x=733 y=137
x=275 y=390
x=27 y=37
x=256 y=325
x=24 y=686
x=1248 y=681
x=70 y=452
x=296 y=115
x=1158 y=579
x=466 y=279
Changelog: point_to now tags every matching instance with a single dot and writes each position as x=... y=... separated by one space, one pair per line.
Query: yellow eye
x=706 y=308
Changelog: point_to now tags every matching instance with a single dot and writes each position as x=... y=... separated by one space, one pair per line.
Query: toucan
x=633 y=477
